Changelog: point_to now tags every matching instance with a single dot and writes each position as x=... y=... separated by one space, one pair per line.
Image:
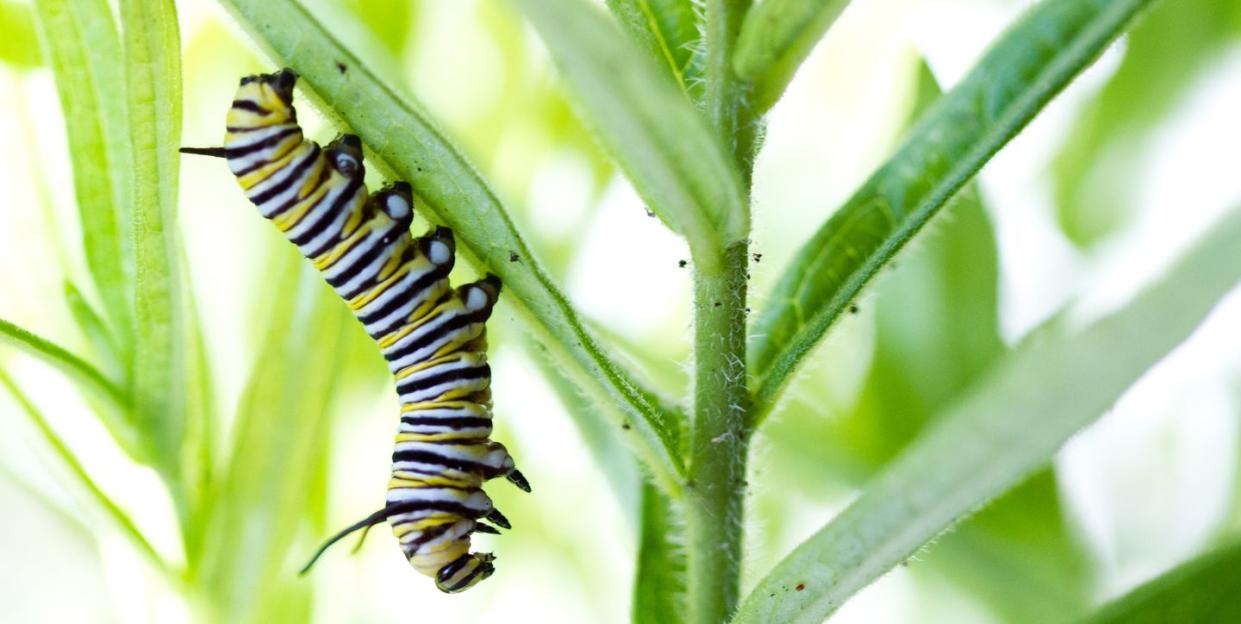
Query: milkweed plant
x=837 y=393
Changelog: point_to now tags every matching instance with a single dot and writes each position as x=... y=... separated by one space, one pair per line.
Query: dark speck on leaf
x=717 y=304
x=800 y=586
x=650 y=213
x=513 y=257
x=853 y=309
x=341 y=67
x=625 y=426
x=758 y=257
x=682 y=263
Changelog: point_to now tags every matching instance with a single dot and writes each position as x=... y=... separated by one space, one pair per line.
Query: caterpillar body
x=433 y=336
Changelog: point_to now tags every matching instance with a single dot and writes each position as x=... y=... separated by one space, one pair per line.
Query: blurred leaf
x=937 y=331
x=97 y=334
x=81 y=41
x=405 y=145
x=19 y=45
x=391 y=22
x=87 y=378
x=1036 y=398
x=652 y=129
x=1201 y=591
x=776 y=36
x=1025 y=68
x=153 y=97
x=81 y=475
x=659 y=581
x=1102 y=154
x=281 y=435
x=668 y=30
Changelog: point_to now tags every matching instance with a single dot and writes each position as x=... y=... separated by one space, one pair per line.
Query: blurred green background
x=1091 y=201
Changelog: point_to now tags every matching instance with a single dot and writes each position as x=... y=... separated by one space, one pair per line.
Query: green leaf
x=1201 y=591
x=19 y=45
x=937 y=331
x=153 y=97
x=668 y=30
x=652 y=129
x=1024 y=69
x=115 y=405
x=1103 y=151
x=81 y=42
x=82 y=476
x=405 y=144
x=776 y=36
x=1054 y=384
x=247 y=561
x=96 y=332
x=659 y=581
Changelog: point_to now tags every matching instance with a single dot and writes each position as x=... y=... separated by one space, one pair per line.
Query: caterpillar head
x=465 y=572
x=272 y=94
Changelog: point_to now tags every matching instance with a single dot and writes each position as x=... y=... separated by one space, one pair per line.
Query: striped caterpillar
x=433 y=336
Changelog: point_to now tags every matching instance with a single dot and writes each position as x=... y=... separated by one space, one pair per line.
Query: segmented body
x=433 y=337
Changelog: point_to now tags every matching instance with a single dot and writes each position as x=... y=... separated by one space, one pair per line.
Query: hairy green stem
x=724 y=94
x=715 y=491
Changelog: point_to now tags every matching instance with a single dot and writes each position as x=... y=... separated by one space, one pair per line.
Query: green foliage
x=775 y=38
x=19 y=46
x=1201 y=591
x=1101 y=153
x=950 y=427
x=649 y=126
x=1032 y=62
x=1057 y=382
x=668 y=29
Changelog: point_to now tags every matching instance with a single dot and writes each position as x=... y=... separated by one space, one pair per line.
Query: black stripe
x=426 y=536
x=456 y=509
x=316 y=155
x=456 y=423
x=430 y=381
x=427 y=457
x=467 y=579
x=290 y=176
x=361 y=262
x=452 y=567
x=351 y=191
x=250 y=105
x=275 y=139
x=453 y=324
x=414 y=290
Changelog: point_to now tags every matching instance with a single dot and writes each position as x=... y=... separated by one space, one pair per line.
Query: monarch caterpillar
x=433 y=336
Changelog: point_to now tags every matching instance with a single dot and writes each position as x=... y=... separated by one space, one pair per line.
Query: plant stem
x=715 y=492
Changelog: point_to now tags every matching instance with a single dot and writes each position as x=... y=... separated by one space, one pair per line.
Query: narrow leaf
x=1057 y=382
x=247 y=562
x=652 y=129
x=19 y=45
x=776 y=36
x=95 y=330
x=81 y=41
x=405 y=144
x=668 y=30
x=153 y=81
x=1028 y=65
x=1201 y=591
x=659 y=581
x=79 y=371
x=1105 y=149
